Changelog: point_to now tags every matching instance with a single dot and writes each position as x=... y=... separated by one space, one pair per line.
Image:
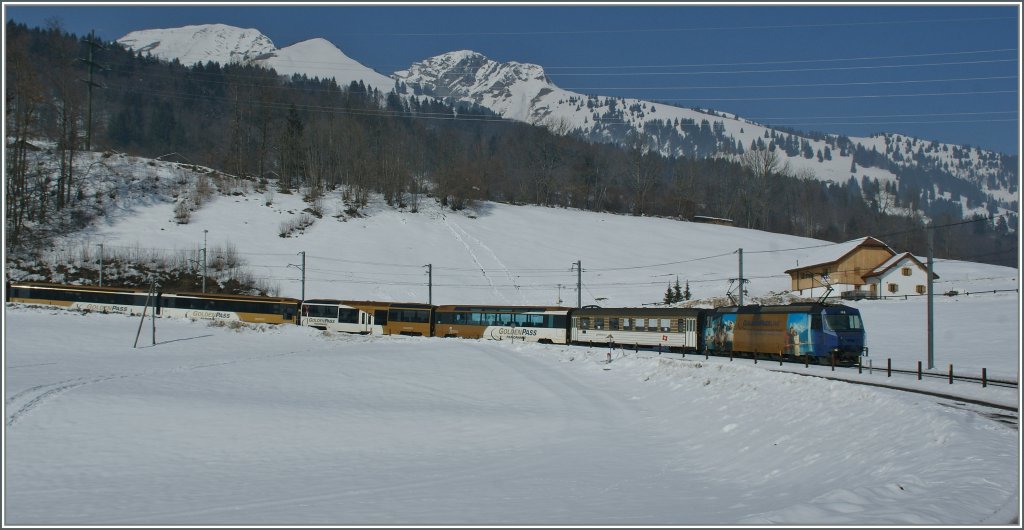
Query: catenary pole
x=430 y=283
x=204 y=259
x=931 y=307
x=741 y=276
x=579 y=283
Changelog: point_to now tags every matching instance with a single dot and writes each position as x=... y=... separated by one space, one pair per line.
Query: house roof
x=896 y=260
x=830 y=254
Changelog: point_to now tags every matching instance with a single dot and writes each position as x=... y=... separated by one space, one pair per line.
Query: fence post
x=984 y=378
x=659 y=348
x=951 y=373
x=833 y=362
x=755 y=357
x=860 y=366
x=888 y=368
x=805 y=360
x=918 y=370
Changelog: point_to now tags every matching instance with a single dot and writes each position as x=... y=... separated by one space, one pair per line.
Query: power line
x=874 y=96
x=674 y=30
x=792 y=70
x=797 y=61
x=800 y=85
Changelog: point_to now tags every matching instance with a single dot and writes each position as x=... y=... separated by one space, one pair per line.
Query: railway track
x=839 y=370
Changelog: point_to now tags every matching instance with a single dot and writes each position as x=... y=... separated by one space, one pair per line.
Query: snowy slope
x=290 y=426
x=519 y=255
x=262 y=425
x=320 y=58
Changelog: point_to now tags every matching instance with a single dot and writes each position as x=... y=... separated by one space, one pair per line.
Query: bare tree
x=761 y=165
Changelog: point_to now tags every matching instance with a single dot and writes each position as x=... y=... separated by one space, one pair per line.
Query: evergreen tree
x=677 y=293
x=669 y=296
x=686 y=292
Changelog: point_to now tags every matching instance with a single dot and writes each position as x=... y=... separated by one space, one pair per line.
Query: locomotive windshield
x=844 y=322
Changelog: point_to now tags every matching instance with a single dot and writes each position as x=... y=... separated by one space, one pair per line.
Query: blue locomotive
x=815 y=332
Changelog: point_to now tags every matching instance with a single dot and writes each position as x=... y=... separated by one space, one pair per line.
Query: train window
x=348 y=316
x=666 y=325
x=320 y=311
x=843 y=322
x=409 y=315
x=627 y=324
x=584 y=322
x=613 y=324
x=380 y=317
x=556 y=321
x=598 y=322
x=816 y=322
x=534 y=321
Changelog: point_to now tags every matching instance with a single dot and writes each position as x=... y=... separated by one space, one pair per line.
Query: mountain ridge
x=523 y=92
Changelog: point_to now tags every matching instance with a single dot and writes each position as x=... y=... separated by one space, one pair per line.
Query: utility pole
x=741 y=276
x=930 y=230
x=430 y=283
x=101 y=264
x=303 y=275
x=204 y=259
x=579 y=283
x=303 y=269
x=90 y=83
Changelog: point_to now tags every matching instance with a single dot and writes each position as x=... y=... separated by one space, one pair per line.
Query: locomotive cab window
x=844 y=322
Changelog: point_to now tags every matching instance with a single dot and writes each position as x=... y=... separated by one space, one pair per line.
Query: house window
x=921 y=289
x=893 y=288
x=907 y=271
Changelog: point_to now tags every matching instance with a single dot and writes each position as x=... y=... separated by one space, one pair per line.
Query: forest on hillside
x=301 y=135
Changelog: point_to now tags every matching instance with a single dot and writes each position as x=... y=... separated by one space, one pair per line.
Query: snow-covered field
x=287 y=426
x=525 y=255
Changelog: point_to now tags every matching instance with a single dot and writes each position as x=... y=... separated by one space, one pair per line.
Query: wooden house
x=861 y=268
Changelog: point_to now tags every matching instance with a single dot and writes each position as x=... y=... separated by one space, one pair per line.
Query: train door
x=380 y=318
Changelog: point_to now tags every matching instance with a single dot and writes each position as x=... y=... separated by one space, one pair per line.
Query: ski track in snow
x=28 y=400
x=508 y=273
x=452 y=228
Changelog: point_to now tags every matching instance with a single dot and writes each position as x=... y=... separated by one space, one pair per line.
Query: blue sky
x=940 y=72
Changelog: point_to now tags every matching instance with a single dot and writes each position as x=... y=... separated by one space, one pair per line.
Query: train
x=810 y=332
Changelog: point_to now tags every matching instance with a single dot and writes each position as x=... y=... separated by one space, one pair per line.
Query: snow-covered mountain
x=230 y=45
x=193 y=44
x=523 y=92
x=981 y=181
